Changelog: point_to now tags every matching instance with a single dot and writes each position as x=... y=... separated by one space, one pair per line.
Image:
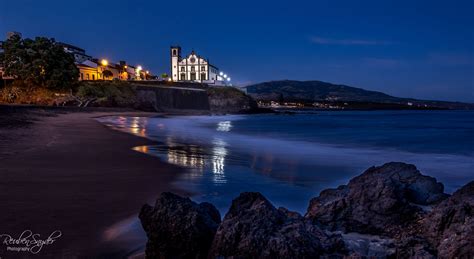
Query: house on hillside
x=78 y=53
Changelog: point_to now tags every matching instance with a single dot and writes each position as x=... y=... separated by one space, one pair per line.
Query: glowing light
x=104 y=62
x=228 y=79
x=224 y=126
x=221 y=73
x=148 y=72
x=139 y=68
x=219 y=152
x=225 y=76
x=125 y=66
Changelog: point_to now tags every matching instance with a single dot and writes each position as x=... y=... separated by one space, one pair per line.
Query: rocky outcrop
x=450 y=225
x=384 y=200
x=178 y=227
x=230 y=100
x=391 y=211
x=254 y=228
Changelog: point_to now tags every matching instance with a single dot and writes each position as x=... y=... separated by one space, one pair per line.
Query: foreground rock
x=384 y=200
x=450 y=226
x=388 y=211
x=178 y=227
x=254 y=228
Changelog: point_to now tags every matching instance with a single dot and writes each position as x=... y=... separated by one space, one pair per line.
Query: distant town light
x=125 y=66
x=148 y=72
x=139 y=68
x=104 y=62
x=221 y=73
x=228 y=79
x=225 y=76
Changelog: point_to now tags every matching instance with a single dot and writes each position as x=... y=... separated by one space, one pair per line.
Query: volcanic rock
x=384 y=200
x=254 y=228
x=450 y=225
x=178 y=227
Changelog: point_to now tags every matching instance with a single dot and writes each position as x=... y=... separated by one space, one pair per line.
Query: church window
x=193 y=68
x=203 y=68
x=203 y=76
x=174 y=52
x=193 y=76
x=183 y=76
x=182 y=69
x=93 y=77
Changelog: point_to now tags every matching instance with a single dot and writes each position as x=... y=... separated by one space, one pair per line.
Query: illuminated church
x=192 y=68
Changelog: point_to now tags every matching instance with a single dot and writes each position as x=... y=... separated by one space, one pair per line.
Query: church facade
x=192 y=68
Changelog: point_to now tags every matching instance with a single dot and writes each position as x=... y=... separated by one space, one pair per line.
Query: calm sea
x=291 y=158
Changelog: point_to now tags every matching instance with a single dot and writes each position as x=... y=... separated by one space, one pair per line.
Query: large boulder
x=450 y=225
x=385 y=200
x=254 y=228
x=178 y=227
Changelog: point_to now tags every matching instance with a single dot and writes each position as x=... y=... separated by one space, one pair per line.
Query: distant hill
x=318 y=91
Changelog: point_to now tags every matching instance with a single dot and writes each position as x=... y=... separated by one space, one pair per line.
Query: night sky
x=422 y=49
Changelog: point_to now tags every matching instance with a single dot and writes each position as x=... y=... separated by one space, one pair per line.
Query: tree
x=164 y=75
x=39 y=62
x=107 y=73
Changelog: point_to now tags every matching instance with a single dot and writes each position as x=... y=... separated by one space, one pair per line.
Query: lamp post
x=137 y=71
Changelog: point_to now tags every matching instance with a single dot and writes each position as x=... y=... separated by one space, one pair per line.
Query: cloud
x=330 y=41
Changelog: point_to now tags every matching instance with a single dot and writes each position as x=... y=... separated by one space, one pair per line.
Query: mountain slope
x=315 y=91
x=318 y=91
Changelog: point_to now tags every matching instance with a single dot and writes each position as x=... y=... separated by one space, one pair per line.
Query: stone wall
x=220 y=100
x=165 y=98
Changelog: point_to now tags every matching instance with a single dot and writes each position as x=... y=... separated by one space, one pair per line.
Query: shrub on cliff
x=107 y=94
x=19 y=92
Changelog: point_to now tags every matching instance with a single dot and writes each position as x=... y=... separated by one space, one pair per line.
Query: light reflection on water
x=222 y=161
x=193 y=157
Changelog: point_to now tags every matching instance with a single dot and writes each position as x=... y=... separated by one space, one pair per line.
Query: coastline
x=66 y=171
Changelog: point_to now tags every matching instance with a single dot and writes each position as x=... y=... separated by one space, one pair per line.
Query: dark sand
x=66 y=171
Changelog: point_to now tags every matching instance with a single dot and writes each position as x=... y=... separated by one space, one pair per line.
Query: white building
x=193 y=68
x=78 y=53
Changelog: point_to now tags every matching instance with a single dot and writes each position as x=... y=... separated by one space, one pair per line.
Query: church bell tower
x=175 y=52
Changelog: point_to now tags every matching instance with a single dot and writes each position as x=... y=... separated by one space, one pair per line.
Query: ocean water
x=291 y=158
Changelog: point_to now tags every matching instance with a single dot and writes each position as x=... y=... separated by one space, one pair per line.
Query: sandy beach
x=66 y=171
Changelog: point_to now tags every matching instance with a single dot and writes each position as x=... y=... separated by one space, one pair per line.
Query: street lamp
x=137 y=72
x=228 y=79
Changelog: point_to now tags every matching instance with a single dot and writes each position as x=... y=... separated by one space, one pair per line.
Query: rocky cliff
x=230 y=100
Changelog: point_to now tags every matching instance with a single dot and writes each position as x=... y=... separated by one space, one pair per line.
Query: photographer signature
x=27 y=241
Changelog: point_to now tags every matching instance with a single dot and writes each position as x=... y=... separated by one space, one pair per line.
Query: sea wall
x=165 y=98
x=219 y=100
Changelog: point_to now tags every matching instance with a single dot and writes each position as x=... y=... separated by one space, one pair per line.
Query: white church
x=194 y=68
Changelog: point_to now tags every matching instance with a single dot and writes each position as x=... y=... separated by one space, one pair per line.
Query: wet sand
x=67 y=172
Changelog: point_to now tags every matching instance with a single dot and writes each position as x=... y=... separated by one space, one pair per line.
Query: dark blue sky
x=422 y=49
